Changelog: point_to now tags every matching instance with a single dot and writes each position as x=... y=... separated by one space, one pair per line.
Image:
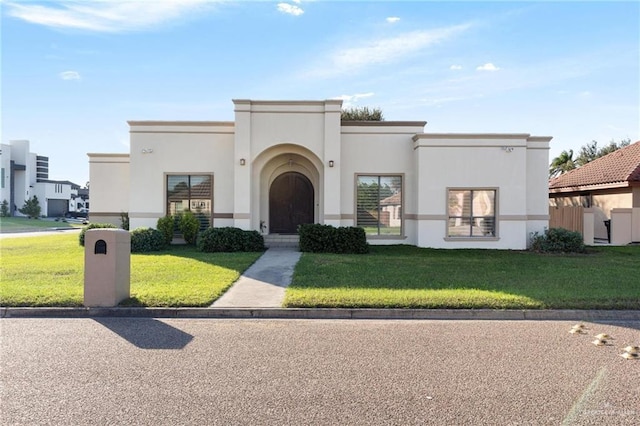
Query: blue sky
x=74 y=72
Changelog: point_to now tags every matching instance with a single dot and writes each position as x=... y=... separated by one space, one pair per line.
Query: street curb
x=325 y=313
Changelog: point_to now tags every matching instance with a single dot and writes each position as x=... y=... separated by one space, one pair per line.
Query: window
x=472 y=213
x=379 y=204
x=191 y=192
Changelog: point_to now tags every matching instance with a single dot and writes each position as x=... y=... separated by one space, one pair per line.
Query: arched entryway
x=290 y=203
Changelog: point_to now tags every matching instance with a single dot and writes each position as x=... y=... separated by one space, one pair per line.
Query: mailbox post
x=107 y=266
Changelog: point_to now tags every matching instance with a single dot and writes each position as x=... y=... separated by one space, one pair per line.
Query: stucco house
x=610 y=188
x=24 y=174
x=284 y=163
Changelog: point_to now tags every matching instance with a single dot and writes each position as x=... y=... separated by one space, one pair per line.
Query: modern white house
x=280 y=164
x=24 y=174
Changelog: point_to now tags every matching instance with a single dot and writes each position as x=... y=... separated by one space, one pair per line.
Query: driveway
x=206 y=371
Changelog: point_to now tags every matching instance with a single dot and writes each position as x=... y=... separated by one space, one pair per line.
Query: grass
x=22 y=224
x=410 y=277
x=49 y=271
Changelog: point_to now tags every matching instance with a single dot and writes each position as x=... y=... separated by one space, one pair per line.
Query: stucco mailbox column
x=107 y=266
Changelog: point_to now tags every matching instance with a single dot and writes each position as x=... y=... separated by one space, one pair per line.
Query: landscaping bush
x=166 y=225
x=94 y=226
x=316 y=238
x=144 y=240
x=229 y=239
x=557 y=240
x=4 y=209
x=124 y=220
x=31 y=208
x=189 y=226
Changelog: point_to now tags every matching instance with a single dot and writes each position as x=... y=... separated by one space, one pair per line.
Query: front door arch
x=290 y=203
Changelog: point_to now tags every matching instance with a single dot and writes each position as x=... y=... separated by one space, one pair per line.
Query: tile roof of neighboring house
x=394 y=200
x=620 y=166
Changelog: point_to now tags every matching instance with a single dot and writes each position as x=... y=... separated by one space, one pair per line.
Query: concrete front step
x=281 y=241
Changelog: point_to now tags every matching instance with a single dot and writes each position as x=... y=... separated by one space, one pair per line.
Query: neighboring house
x=605 y=185
x=25 y=174
x=285 y=163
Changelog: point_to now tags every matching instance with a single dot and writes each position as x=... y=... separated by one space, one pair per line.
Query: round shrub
x=558 y=240
x=166 y=225
x=189 y=226
x=144 y=240
x=93 y=226
x=229 y=239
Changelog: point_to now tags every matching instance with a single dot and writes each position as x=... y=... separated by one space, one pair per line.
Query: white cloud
x=70 y=75
x=350 y=100
x=382 y=51
x=290 y=9
x=455 y=67
x=487 y=67
x=392 y=19
x=105 y=15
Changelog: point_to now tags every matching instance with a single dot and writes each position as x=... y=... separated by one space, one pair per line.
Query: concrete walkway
x=263 y=284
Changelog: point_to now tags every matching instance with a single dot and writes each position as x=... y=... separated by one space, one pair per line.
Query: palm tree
x=562 y=164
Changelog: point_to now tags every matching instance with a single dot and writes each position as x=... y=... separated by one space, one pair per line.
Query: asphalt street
x=147 y=371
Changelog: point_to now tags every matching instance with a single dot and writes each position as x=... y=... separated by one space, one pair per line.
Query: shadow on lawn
x=604 y=278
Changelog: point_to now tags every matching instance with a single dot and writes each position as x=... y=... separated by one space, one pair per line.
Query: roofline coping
x=281 y=102
x=180 y=123
x=383 y=123
x=419 y=136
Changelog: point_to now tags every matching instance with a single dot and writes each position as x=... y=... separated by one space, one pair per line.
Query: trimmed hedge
x=144 y=240
x=316 y=238
x=558 y=240
x=93 y=226
x=166 y=225
x=229 y=239
x=189 y=226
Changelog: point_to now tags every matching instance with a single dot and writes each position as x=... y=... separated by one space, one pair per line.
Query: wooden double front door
x=290 y=203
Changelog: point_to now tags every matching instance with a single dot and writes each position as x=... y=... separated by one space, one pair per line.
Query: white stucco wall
x=159 y=149
x=109 y=177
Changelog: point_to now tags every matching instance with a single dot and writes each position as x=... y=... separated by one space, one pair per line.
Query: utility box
x=107 y=266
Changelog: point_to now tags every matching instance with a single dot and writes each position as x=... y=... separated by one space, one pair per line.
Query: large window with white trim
x=471 y=213
x=379 y=204
x=191 y=192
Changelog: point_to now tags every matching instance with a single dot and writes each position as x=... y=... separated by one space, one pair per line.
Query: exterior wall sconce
x=147 y=151
x=330 y=163
x=243 y=161
x=507 y=148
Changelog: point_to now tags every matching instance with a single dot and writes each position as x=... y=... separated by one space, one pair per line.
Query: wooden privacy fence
x=569 y=217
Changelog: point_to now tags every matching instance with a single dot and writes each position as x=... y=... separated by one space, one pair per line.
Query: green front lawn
x=49 y=271
x=22 y=224
x=410 y=277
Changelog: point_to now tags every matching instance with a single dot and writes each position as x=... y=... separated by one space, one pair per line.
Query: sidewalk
x=263 y=284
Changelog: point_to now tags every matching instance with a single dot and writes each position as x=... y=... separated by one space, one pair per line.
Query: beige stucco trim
x=95 y=154
x=450 y=136
x=383 y=124
x=181 y=123
x=429 y=217
x=538 y=217
x=516 y=217
x=332 y=216
x=242 y=216
x=467 y=239
x=145 y=215
x=347 y=216
x=223 y=215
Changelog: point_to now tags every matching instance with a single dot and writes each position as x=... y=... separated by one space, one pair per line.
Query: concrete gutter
x=327 y=313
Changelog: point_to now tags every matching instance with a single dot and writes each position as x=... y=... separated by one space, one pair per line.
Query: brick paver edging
x=325 y=313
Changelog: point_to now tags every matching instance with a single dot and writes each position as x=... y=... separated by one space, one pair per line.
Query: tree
x=362 y=114
x=31 y=208
x=590 y=151
x=4 y=209
x=562 y=164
